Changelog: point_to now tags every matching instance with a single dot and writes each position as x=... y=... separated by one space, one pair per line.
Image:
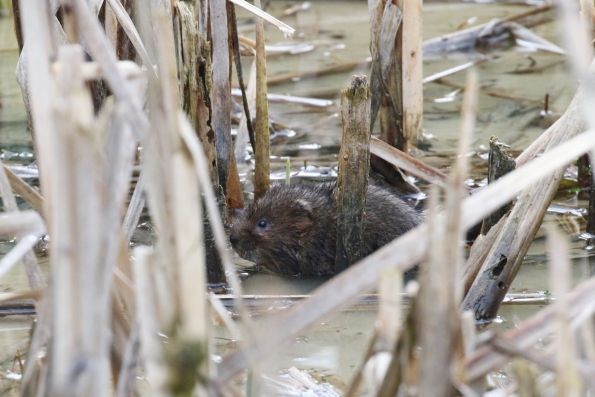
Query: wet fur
x=301 y=227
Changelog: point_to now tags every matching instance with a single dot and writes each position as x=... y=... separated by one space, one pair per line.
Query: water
x=340 y=34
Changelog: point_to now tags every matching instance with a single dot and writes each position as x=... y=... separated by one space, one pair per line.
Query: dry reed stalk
x=499 y=164
x=213 y=212
x=27 y=193
x=385 y=20
x=221 y=106
x=32 y=269
x=111 y=26
x=82 y=280
x=220 y=97
x=126 y=385
x=237 y=57
x=389 y=309
x=400 y=254
x=440 y=292
x=505 y=257
x=278 y=98
x=567 y=379
x=128 y=26
x=387 y=327
x=35 y=80
x=191 y=48
x=92 y=70
x=243 y=137
x=354 y=167
x=135 y=208
x=29 y=226
x=286 y=77
x=479 y=252
x=192 y=88
x=466 y=39
x=587 y=15
x=182 y=203
x=287 y=30
x=407 y=162
x=186 y=207
x=37 y=83
x=587 y=341
x=148 y=325
x=435 y=310
x=412 y=59
x=262 y=168
x=99 y=47
x=451 y=71
x=487 y=357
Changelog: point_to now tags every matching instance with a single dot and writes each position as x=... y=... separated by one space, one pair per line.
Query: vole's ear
x=304 y=215
x=302 y=207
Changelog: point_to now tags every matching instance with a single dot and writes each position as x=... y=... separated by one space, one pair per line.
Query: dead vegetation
x=108 y=314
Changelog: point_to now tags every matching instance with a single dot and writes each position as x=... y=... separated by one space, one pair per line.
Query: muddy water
x=340 y=34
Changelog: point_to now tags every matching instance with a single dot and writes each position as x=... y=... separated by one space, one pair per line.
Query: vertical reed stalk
x=412 y=58
x=499 y=164
x=354 y=166
x=262 y=150
x=568 y=381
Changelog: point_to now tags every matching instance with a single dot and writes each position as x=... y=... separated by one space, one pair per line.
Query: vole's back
x=293 y=229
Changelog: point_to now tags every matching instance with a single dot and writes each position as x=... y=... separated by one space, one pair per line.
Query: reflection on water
x=510 y=107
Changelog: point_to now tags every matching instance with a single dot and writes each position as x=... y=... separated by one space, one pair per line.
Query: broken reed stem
x=479 y=252
x=262 y=150
x=32 y=269
x=385 y=20
x=568 y=380
x=499 y=164
x=23 y=189
x=412 y=58
x=506 y=255
x=407 y=162
x=354 y=166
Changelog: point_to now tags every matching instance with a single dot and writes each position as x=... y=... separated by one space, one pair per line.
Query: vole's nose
x=234 y=240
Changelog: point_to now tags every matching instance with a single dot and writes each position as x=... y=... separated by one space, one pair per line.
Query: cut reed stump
x=499 y=164
x=354 y=166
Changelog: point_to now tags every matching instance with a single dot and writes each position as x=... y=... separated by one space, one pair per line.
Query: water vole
x=293 y=229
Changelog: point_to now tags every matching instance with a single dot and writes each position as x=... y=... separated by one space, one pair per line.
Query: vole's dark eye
x=262 y=224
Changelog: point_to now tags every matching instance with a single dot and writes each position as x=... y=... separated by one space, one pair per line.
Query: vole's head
x=271 y=231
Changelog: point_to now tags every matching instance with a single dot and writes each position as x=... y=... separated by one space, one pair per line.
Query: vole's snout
x=234 y=240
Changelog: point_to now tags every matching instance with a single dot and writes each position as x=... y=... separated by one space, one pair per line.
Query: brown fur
x=293 y=229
